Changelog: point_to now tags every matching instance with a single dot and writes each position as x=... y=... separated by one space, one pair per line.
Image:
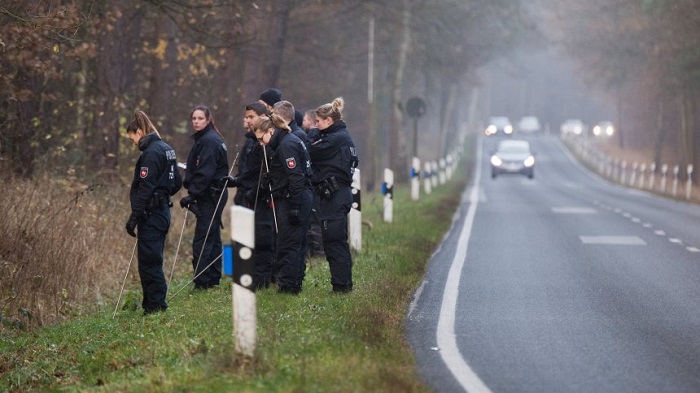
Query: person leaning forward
x=156 y=179
x=289 y=175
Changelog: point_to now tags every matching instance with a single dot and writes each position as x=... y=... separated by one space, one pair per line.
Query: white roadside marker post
x=415 y=179
x=355 y=214
x=388 y=192
x=244 y=302
x=427 y=183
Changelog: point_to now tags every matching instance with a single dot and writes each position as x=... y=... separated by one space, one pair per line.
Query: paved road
x=563 y=283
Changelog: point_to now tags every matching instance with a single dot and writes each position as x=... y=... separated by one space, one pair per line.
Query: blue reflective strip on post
x=228 y=260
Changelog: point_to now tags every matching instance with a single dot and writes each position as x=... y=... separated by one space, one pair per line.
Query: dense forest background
x=74 y=71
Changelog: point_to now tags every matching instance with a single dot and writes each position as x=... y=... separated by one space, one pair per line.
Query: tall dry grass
x=62 y=249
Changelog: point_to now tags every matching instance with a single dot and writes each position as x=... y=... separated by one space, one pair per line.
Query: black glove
x=131 y=225
x=230 y=181
x=293 y=216
x=250 y=196
x=185 y=202
x=190 y=203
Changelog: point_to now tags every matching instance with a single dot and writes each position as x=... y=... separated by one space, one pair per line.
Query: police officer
x=156 y=179
x=334 y=159
x=249 y=194
x=286 y=111
x=207 y=163
x=289 y=175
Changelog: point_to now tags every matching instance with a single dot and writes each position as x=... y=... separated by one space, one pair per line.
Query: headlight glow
x=490 y=130
x=609 y=130
x=508 y=129
x=496 y=160
x=596 y=130
x=530 y=161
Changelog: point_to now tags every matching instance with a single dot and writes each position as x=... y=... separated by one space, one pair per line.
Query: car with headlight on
x=572 y=127
x=499 y=125
x=604 y=129
x=513 y=156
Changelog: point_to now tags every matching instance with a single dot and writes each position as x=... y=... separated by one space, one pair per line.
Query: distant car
x=529 y=125
x=499 y=125
x=604 y=129
x=513 y=156
x=572 y=126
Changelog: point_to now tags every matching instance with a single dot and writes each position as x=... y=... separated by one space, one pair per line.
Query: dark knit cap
x=271 y=96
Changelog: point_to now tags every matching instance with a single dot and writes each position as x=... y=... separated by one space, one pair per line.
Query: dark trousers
x=334 y=228
x=207 y=243
x=314 y=239
x=264 y=253
x=151 y=242
x=290 y=259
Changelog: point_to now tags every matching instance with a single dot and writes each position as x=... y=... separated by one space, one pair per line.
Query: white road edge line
x=445 y=328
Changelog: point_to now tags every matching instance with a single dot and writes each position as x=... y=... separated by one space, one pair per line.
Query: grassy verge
x=314 y=342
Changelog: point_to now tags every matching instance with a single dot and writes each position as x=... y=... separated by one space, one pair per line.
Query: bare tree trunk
x=660 y=134
x=446 y=128
x=620 y=123
x=115 y=79
x=684 y=131
x=163 y=79
x=260 y=61
x=691 y=140
x=397 y=145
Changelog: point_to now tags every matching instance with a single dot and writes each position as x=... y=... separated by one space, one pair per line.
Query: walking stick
x=269 y=186
x=133 y=252
x=195 y=277
x=177 y=250
x=235 y=160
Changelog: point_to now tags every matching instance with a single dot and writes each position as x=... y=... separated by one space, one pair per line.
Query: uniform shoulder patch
x=144 y=172
x=291 y=163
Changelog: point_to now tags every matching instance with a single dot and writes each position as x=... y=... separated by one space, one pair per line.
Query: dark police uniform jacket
x=249 y=163
x=156 y=177
x=207 y=163
x=290 y=167
x=332 y=154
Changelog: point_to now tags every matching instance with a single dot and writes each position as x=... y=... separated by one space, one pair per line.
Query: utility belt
x=281 y=194
x=214 y=191
x=327 y=187
x=157 y=201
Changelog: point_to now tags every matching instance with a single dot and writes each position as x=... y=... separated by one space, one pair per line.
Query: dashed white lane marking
x=647 y=225
x=693 y=249
x=574 y=210
x=636 y=220
x=660 y=232
x=613 y=240
x=674 y=240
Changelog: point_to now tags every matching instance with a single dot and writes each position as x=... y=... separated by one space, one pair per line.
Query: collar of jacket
x=337 y=125
x=147 y=140
x=201 y=133
x=277 y=137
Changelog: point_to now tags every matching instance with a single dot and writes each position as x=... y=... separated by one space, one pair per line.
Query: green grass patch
x=315 y=342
